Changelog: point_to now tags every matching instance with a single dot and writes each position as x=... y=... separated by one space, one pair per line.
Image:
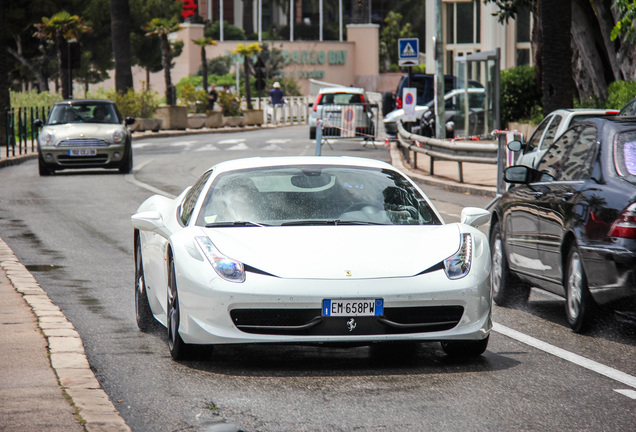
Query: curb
x=65 y=350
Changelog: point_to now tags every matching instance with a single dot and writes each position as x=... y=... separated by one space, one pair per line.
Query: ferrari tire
x=178 y=349
x=143 y=313
x=465 y=348
x=579 y=305
x=507 y=288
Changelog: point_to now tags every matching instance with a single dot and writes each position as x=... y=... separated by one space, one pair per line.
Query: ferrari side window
x=190 y=199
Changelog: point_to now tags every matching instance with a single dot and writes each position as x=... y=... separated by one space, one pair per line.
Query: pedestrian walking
x=212 y=97
x=276 y=100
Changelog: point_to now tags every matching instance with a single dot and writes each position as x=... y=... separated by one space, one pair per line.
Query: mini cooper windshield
x=314 y=195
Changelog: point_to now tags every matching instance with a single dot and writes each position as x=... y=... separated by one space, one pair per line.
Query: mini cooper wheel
x=178 y=349
x=507 y=288
x=143 y=313
x=127 y=164
x=579 y=305
x=465 y=348
x=43 y=169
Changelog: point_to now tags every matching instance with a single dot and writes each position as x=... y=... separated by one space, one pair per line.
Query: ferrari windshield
x=85 y=112
x=314 y=195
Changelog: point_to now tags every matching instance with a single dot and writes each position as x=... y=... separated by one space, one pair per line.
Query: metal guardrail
x=20 y=129
x=456 y=151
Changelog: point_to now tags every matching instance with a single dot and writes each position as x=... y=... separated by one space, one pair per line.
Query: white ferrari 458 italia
x=310 y=250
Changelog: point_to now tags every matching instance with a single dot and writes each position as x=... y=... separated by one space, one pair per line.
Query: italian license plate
x=352 y=307
x=82 y=152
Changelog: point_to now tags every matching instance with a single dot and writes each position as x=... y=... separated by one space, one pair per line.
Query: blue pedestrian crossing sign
x=408 y=52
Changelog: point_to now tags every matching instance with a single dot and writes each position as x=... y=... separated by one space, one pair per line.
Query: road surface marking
x=592 y=365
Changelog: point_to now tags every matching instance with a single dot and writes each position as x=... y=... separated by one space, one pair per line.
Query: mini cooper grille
x=84 y=161
x=310 y=322
x=83 y=142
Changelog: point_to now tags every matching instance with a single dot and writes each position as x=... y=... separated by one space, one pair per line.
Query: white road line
x=628 y=393
x=131 y=178
x=231 y=141
x=592 y=365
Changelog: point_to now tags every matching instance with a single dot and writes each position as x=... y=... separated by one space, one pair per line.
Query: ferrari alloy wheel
x=506 y=287
x=465 y=348
x=579 y=304
x=178 y=349
x=143 y=312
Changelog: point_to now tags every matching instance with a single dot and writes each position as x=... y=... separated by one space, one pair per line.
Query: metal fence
x=21 y=132
x=456 y=151
x=293 y=111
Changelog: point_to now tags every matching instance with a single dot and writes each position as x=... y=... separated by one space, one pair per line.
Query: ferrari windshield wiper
x=234 y=224
x=329 y=222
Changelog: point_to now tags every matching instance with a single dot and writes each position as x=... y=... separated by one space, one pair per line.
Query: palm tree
x=119 y=19
x=203 y=42
x=247 y=51
x=162 y=27
x=60 y=28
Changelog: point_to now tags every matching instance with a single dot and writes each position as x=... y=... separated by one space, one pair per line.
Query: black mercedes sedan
x=569 y=226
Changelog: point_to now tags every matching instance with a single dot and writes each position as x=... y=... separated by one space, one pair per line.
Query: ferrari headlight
x=46 y=138
x=118 y=136
x=458 y=265
x=229 y=269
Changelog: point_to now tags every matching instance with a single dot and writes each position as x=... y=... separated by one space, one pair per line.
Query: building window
x=463 y=22
x=523 y=37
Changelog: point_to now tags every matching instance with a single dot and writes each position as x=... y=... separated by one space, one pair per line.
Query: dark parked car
x=569 y=226
x=629 y=109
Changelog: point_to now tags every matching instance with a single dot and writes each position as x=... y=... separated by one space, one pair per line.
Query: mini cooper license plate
x=352 y=307
x=82 y=152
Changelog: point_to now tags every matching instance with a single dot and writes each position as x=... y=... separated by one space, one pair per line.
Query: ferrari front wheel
x=178 y=349
x=143 y=312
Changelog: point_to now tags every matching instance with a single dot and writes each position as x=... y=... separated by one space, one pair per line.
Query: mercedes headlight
x=229 y=269
x=458 y=265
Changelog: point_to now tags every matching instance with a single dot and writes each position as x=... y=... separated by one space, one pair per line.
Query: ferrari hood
x=334 y=252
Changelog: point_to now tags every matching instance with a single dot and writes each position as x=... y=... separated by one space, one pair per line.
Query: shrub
x=142 y=104
x=619 y=93
x=195 y=100
x=32 y=98
x=519 y=94
x=230 y=104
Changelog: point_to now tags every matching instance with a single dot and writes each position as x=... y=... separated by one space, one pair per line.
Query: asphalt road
x=73 y=232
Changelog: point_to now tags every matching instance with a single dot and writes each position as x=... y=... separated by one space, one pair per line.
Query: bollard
x=318 y=136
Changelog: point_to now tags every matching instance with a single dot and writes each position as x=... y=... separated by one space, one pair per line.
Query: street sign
x=408 y=51
x=409 y=99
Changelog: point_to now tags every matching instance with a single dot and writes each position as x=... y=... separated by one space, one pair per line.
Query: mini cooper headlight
x=46 y=138
x=229 y=269
x=118 y=136
x=458 y=265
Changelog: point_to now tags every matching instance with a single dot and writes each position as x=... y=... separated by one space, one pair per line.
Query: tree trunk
x=120 y=30
x=63 y=71
x=590 y=62
x=166 y=61
x=5 y=100
x=557 y=82
x=204 y=69
x=248 y=90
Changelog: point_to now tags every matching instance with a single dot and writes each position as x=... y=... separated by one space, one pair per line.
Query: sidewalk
x=46 y=382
